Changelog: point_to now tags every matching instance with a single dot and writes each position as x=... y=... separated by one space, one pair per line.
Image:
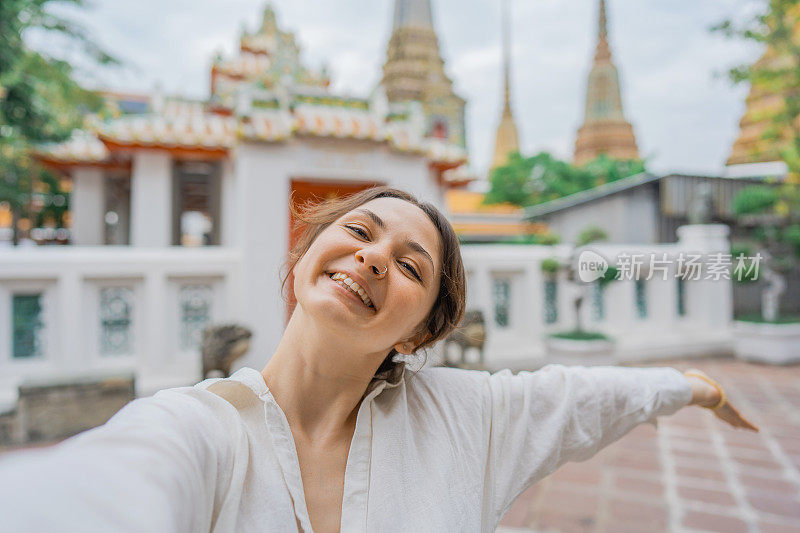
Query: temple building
x=506 y=140
x=414 y=74
x=180 y=213
x=168 y=175
x=605 y=129
x=751 y=154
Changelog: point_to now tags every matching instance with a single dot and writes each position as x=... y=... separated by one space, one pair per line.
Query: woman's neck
x=317 y=379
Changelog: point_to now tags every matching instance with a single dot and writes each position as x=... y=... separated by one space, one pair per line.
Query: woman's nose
x=373 y=262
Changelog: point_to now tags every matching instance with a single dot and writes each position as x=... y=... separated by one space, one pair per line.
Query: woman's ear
x=407 y=346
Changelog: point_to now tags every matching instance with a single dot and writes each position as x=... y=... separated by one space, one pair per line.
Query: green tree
x=511 y=182
x=40 y=100
x=606 y=169
x=777 y=210
x=532 y=180
x=591 y=234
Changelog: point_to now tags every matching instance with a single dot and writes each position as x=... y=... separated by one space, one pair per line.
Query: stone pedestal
x=709 y=301
x=87 y=206
x=54 y=410
x=151 y=199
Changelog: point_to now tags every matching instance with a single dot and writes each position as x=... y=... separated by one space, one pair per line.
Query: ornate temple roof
x=214 y=134
x=84 y=148
x=475 y=221
x=264 y=94
x=268 y=61
x=81 y=147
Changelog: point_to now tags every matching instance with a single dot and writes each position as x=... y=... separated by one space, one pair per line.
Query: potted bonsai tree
x=579 y=344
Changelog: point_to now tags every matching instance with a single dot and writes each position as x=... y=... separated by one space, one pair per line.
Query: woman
x=334 y=434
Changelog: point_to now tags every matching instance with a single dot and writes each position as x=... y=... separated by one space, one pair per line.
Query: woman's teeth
x=345 y=281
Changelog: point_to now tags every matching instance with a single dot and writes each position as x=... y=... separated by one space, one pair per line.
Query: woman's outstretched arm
x=153 y=467
x=542 y=419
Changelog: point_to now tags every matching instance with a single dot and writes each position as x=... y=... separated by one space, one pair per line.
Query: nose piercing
x=386 y=269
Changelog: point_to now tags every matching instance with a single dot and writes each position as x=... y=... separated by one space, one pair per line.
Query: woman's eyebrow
x=375 y=218
x=417 y=247
x=414 y=245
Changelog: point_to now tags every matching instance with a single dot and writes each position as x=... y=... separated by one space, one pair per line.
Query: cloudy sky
x=684 y=111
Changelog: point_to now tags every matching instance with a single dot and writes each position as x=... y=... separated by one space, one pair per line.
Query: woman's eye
x=358 y=231
x=410 y=269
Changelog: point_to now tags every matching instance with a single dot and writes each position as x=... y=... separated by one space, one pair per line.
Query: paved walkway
x=692 y=474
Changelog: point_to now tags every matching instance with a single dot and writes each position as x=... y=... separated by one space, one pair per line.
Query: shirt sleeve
x=153 y=466
x=540 y=420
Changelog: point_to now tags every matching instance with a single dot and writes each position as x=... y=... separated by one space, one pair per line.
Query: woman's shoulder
x=460 y=377
x=438 y=380
x=212 y=409
x=442 y=381
x=188 y=410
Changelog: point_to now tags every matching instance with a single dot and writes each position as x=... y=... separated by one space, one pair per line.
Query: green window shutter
x=195 y=307
x=27 y=325
x=680 y=286
x=598 y=301
x=116 y=306
x=550 y=301
x=641 y=298
x=502 y=302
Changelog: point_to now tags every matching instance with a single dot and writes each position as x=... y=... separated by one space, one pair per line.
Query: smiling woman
x=332 y=435
x=356 y=215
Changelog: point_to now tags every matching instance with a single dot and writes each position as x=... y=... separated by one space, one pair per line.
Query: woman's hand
x=706 y=394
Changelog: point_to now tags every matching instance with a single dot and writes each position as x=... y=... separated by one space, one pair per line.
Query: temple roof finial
x=412 y=14
x=603 y=49
x=506 y=60
x=602 y=21
x=506 y=138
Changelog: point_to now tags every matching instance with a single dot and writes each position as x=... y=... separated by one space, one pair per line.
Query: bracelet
x=722 y=396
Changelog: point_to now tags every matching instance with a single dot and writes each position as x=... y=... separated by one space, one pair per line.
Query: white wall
x=627 y=217
x=704 y=329
x=69 y=278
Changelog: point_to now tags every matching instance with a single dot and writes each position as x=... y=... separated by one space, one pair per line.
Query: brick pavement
x=692 y=474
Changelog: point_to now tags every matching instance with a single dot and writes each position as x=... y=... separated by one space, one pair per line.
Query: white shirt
x=439 y=450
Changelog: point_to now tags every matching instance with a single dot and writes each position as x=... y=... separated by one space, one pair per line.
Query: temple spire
x=603 y=52
x=602 y=21
x=506 y=138
x=412 y=14
x=506 y=61
x=605 y=129
x=414 y=73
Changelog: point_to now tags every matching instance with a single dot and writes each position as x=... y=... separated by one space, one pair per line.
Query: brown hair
x=448 y=308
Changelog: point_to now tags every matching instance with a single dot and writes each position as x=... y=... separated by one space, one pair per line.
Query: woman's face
x=390 y=249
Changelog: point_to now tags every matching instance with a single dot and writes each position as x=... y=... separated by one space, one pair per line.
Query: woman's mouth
x=354 y=288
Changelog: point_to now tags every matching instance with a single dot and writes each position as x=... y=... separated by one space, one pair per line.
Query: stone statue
x=771 y=294
x=470 y=334
x=222 y=345
x=701 y=210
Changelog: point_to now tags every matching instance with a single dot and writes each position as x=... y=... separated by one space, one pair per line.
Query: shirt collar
x=388 y=379
x=253 y=379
